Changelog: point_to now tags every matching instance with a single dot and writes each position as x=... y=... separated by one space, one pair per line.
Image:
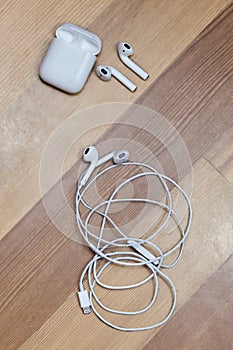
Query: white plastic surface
x=79 y=37
x=70 y=58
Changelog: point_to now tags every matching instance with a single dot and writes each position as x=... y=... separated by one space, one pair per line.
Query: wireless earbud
x=90 y=155
x=105 y=73
x=124 y=51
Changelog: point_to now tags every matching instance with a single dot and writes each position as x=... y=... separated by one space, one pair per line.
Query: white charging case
x=70 y=58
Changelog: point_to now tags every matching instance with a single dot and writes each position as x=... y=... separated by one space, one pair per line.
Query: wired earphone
x=125 y=250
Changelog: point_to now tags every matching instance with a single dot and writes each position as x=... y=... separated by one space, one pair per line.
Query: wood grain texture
x=31 y=110
x=25 y=44
x=220 y=154
x=196 y=92
x=212 y=304
x=39 y=267
x=68 y=327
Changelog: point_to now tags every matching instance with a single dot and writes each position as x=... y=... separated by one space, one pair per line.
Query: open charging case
x=70 y=58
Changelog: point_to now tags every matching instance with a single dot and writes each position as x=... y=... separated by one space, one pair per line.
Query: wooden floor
x=187 y=48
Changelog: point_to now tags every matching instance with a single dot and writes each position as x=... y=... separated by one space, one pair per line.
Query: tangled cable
x=140 y=256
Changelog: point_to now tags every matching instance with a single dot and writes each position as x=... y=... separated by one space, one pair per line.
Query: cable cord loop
x=126 y=250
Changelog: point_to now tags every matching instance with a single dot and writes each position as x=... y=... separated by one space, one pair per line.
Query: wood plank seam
x=211 y=163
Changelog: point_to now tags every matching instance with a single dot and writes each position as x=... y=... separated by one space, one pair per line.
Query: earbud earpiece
x=121 y=157
x=105 y=73
x=124 y=51
x=90 y=155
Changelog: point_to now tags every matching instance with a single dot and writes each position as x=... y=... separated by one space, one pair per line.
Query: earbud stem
x=88 y=173
x=134 y=67
x=105 y=159
x=125 y=81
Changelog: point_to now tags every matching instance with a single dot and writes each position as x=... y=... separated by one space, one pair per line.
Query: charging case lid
x=74 y=35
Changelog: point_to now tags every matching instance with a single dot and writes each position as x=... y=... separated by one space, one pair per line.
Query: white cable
x=140 y=256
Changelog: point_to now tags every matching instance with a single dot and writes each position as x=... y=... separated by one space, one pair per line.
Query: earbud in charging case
x=70 y=58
